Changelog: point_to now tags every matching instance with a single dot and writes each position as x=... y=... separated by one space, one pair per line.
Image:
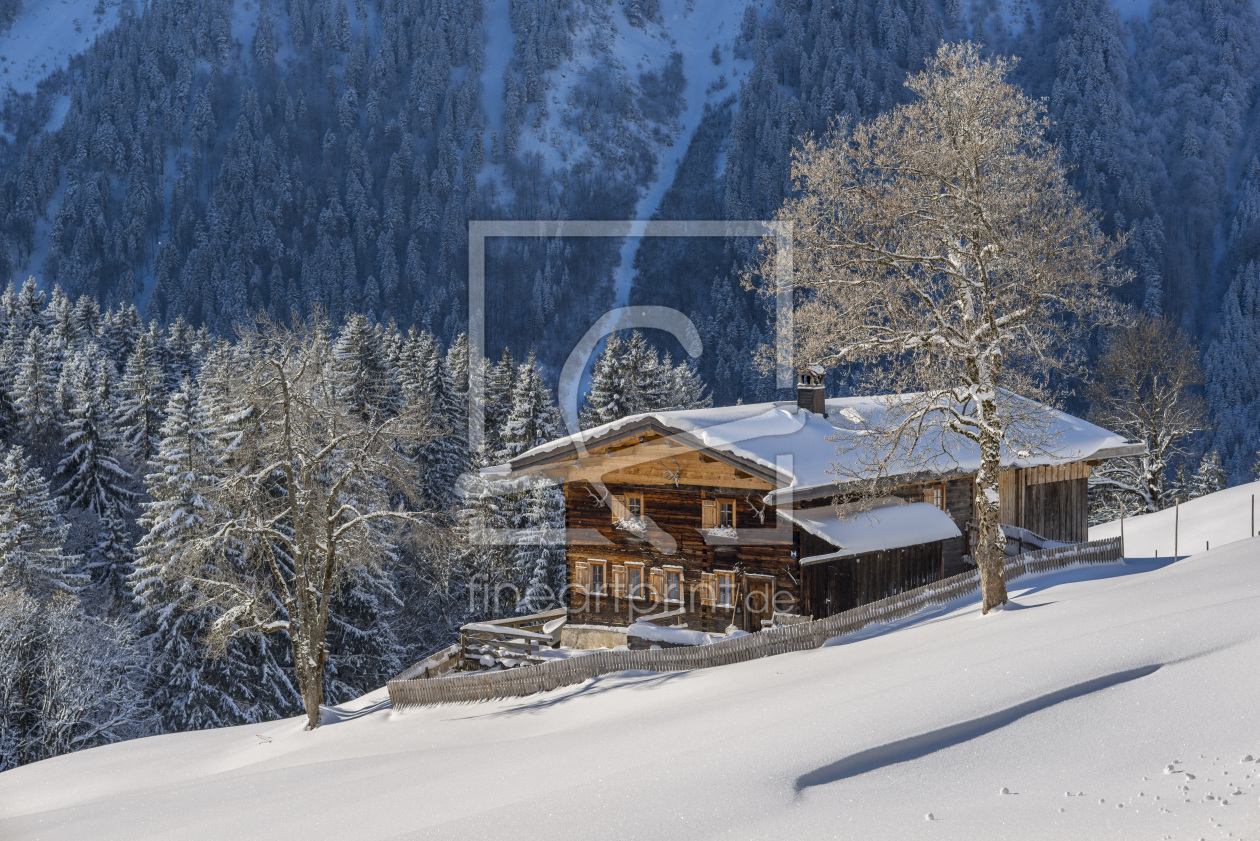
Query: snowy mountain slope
x=1216 y=519
x=1075 y=701
x=44 y=36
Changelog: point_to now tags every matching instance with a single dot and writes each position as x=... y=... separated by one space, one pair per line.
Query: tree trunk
x=990 y=546
x=308 y=661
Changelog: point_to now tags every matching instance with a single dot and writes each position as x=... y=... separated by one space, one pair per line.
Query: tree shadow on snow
x=916 y=747
x=631 y=679
x=336 y=715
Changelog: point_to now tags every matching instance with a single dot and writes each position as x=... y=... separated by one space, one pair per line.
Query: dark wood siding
x=834 y=586
x=1050 y=501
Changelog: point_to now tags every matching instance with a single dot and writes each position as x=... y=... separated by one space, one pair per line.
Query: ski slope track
x=1114 y=702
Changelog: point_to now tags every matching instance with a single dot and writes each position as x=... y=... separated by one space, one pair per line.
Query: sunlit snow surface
x=1214 y=520
x=46 y=34
x=1075 y=700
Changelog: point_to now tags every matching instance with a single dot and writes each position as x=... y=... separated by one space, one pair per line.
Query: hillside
x=213 y=159
x=1214 y=520
x=1075 y=700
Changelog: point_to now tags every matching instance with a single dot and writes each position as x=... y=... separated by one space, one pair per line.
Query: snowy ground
x=1215 y=520
x=1075 y=702
x=45 y=35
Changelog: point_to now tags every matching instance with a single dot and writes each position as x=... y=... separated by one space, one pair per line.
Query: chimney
x=811 y=394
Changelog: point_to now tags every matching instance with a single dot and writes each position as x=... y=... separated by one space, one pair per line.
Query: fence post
x=1176 y=530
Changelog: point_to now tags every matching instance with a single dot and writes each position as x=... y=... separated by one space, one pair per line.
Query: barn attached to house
x=738 y=515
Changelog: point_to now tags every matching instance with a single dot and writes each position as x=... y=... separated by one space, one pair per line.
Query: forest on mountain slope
x=221 y=158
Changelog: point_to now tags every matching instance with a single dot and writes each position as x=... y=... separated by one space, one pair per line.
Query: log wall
x=763 y=553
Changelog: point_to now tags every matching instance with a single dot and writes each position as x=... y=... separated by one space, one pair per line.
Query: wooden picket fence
x=528 y=680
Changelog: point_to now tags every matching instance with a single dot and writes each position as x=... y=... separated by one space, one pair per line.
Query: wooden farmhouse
x=731 y=515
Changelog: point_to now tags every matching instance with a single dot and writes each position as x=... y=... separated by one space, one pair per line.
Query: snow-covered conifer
x=1208 y=478
x=142 y=394
x=35 y=390
x=534 y=418
x=91 y=475
x=32 y=531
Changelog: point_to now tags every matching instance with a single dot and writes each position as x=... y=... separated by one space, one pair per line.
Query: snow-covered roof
x=856 y=531
x=804 y=453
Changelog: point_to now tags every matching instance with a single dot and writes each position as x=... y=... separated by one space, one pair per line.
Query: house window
x=725 y=589
x=673 y=584
x=627 y=507
x=618 y=581
x=634 y=581
x=726 y=513
x=598 y=568
x=715 y=513
x=935 y=495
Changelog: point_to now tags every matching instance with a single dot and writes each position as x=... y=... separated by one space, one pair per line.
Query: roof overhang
x=858 y=529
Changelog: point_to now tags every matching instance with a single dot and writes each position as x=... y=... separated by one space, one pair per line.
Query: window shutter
x=708 y=589
x=656 y=582
x=708 y=514
x=619 y=581
x=582 y=576
x=619 y=509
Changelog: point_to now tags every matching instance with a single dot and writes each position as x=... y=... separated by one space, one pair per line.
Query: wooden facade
x=604 y=558
x=660 y=524
x=1051 y=501
x=835 y=586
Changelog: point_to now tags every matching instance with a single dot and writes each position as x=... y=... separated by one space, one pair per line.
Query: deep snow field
x=1076 y=700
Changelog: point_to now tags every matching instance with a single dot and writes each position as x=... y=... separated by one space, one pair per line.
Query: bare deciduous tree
x=940 y=245
x=315 y=493
x=1145 y=387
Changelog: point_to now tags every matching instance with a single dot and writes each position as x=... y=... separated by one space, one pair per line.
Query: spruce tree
x=142 y=393
x=32 y=531
x=450 y=452
x=1208 y=478
x=499 y=384
x=539 y=555
x=189 y=689
x=93 y=478
x=534 y=418
x=363 y=372
x=606 y=400
x=35 y=391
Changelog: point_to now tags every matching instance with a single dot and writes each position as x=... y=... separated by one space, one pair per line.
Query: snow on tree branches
x=941 y=243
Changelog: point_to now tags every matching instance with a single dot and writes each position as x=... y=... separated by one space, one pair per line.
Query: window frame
x=724 y=575
x=640 y=569
x=734 y=511
x=620 y=507
x=602 y=565
x=935 y=495
x=667 y=572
